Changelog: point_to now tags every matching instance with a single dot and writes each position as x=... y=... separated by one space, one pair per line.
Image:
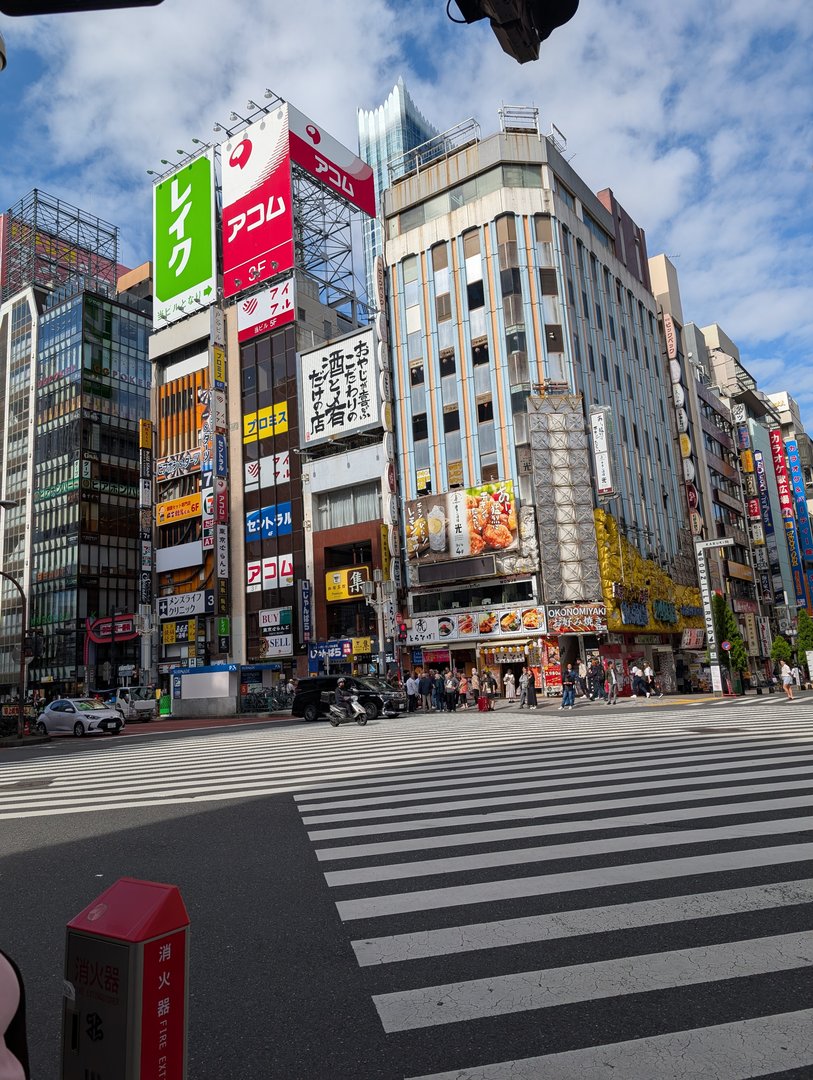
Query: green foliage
x=804 y=640
x=780 y=650
x=727 y=629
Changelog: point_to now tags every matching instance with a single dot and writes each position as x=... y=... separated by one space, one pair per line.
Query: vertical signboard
x=145 y=511
x=788 y=519
x=769 y=529
x=601 y=427
x=184 y=241
x=257 y=198
x=330 y=162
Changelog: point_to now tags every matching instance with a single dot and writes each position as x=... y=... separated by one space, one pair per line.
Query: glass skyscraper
x=386 y=133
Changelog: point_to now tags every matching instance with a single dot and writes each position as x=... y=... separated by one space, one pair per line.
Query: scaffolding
x=48 y=242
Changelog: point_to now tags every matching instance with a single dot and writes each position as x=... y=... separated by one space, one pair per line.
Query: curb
x=10 y=742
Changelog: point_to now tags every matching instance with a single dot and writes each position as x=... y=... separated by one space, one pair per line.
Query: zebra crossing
x=559 y=899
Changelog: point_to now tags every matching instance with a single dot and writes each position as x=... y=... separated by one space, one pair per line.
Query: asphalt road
x=617 y=893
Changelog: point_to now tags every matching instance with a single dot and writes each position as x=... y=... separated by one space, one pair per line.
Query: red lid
x=133 y=910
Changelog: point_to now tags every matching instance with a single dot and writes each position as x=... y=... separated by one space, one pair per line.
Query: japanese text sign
x=458 y=524
x=266 y=310
x=271 y=521
x=339 y=389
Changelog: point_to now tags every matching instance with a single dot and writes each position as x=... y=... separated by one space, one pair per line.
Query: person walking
x=610 y=683
x=523 y=688
x=509 y=682
x=638 y=687
x=797 y=676
x=569 y=680
x=650 y=681
x=492 y=689
x=412 y=692
x=787 y=680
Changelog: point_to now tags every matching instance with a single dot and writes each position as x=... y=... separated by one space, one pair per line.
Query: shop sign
x=747 y=461
x=576 y=619
x=268 y=471
x=458 y=524
x=271 y=521
x=222 y=550
x=266 y=310
x=473 y=625
x=338 y=651
x=435 y=656
x=692 y=639
x=765 y=636
x=207 y=530
x=179 y=605
x=219 y=362
x=739 y=571
x=339 y=389
x=181 y=631
x=670 y=335
x=221 y=456
x=345 y=584
x=274 y=572
x=177 y=509
x=797 y=483
x=362 y=646
x=601 y=427
x=423 y=479
x=305 y=610
x=175 y=465
x=272 y=420
x=743 y=438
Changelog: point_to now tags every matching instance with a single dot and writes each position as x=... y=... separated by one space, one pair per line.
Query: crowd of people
x=449 y=689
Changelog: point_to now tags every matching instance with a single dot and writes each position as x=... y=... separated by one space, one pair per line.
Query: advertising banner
x=185 y=265
x=181 y=605
x=222 y=551
x=576 y=619
x=305 y=610
x=274 y=572
x=276 y=632
x=345 y=584
x=271 y=521
x=268 y=471
x=339 y=392
x=768 y=526
x=272 y=420
x=797 y=483
x=266 y=310
x=257 y=204
x=175 y=465
x=601 y=426
x=330 y=162
x=781 y=471
x=221 y=455
x=473 y=625
x=177 y=509
x=207 y=529
x=457 y=524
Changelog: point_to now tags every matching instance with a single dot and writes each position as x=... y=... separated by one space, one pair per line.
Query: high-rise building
x=386 y=134
x=536 y=462
x=76 y=380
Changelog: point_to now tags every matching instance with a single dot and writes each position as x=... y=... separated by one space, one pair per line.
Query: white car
x=82 y=716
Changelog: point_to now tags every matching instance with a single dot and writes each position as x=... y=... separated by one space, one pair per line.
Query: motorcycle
x=337 y=715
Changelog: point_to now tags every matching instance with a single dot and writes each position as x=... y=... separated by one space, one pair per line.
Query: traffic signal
x=402 y=631
x=520 y=25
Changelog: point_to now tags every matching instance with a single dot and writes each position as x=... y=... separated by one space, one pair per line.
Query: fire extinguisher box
x=126 y=997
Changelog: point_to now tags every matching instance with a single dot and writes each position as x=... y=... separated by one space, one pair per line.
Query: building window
x=549 y=285
x=419 y=427
x=617 y=377
x=604 y=370
x=591 y=357
x=451 y=420
x=348 y=506
x=485 y=411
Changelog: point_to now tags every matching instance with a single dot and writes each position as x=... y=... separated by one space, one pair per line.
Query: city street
x=609 y=892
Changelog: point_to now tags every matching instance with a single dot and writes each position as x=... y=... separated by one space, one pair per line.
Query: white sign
x=268 y=471
x=265 y=310
x=275 y=628
x=222 y=550
x=274 y=572
x=339 y=389
x=601 y=427
x=183 y=604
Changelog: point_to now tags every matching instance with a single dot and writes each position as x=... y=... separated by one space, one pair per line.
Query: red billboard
x=258 y=238
x=330 y=162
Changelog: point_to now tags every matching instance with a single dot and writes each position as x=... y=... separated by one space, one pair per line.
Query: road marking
x=549 y=987
x=764 y=1046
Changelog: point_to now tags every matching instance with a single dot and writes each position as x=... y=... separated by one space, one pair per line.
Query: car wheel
x=372 y=711
x=310 y=714
x=79 y=729
x=41 y=728
x=334 y=722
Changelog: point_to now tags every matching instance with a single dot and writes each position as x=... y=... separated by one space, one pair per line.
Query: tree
x=727 y=628
x=804 y=639
x=780 y=650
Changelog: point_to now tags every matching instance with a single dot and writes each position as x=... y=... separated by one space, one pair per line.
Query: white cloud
x=696 y=114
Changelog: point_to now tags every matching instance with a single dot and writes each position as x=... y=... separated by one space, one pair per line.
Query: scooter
x=339 y=716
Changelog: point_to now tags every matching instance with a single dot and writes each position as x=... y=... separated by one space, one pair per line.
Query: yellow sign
x=423 y=478
x=272 y=420
x=345 y=584
x=361 y=646
x=169 y=633
x=145 y=434
x=219 y=364
x=747 y=461
x=386 y=558
x=740 y=571
x=455 y=474
x=177 y=509
x=685 y=446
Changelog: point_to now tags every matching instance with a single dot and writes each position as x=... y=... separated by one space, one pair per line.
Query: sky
x=698 y=115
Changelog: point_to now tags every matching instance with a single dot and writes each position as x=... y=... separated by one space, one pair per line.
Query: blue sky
x=698 y=115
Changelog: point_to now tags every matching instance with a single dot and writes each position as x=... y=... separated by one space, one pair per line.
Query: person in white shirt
x=412 y=693
x=797 y=675
x=787 y=680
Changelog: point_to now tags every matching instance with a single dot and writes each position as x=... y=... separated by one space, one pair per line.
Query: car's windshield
x=87 y=705
x=373 y=684
x=140 y=693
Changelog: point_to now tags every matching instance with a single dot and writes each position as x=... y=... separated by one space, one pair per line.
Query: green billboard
x=184 y=241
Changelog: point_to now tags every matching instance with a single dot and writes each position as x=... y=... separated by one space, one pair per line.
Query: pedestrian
x=510 y=685
x=425 y=690
x=531 y=689
x=523 y=688
x=463 y=690
x=569 y=681
x=797 y=675
x=638 y=687
x=650 y=681
x=610 y=683
x=450 y=685
x=13 y=1043
x=787 y=680
x=492 y=689
x=412 y=692
x=437 y=690
x=581 y=681
x=596 y=679
x=474 y=685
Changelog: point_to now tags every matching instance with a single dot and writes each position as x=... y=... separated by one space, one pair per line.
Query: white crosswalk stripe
x=555 y=898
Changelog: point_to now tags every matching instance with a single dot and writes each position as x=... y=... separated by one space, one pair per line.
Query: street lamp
x=10 y=504
x=377 y=593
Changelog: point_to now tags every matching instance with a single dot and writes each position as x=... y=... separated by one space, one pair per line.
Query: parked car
x=82 y=716
x=376 y=695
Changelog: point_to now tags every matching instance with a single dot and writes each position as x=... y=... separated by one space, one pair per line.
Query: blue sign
x=800 y=499
x=271 y=521
x=305 y=610
x=221 y=455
